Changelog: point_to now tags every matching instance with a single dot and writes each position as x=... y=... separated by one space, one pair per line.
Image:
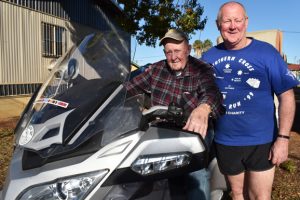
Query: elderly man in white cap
x=188 y=82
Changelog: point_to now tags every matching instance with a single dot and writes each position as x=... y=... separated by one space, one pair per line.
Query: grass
x=6 y=149
x=289 y=166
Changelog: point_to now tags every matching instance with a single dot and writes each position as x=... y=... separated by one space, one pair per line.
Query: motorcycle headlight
x=70 y=188
x=153 y=164
x=26 y=135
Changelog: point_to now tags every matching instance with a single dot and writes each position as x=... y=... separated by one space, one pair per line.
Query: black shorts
x=233 y=160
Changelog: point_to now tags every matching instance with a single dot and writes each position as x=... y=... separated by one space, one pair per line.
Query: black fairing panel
x=31 y=159
x=88 y=107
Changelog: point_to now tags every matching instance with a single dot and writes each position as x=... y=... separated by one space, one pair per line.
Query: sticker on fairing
x=53 y=102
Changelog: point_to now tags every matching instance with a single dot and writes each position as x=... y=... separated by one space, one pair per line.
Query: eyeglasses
x=170 y=53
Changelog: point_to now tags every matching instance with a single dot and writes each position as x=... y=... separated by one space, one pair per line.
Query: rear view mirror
x=72 y=70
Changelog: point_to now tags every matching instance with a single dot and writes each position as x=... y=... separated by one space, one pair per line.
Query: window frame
x=54 y=40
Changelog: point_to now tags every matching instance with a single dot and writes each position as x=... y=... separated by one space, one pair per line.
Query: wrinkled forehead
x=170 y=43
x=233 y=12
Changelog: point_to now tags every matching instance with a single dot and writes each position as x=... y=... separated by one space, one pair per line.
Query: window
x=53 y=40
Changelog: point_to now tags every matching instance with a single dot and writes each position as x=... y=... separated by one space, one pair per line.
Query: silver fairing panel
x=114 y=156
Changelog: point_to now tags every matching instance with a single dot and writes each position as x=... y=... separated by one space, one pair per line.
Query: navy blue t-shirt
x=248 y=79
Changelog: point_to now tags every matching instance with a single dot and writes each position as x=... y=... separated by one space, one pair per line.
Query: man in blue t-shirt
x=247 y=139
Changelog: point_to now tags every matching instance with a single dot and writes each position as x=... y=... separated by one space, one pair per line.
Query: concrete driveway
x=12 y=107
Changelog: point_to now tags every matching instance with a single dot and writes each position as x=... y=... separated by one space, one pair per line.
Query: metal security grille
x=52 y=7
x=18 y=89
x=53 y=40
x=81 y=11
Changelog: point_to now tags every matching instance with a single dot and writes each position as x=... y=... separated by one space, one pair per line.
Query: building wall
x=21 y=61
x=21 y=57
x=22 y=65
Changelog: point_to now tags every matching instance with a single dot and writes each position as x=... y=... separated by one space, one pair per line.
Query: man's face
x=233 y=25
x=176 y=53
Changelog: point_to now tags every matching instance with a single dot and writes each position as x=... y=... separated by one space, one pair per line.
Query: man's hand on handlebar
x=198 y=120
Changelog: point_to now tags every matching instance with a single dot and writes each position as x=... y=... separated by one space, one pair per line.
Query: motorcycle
x=82 y=137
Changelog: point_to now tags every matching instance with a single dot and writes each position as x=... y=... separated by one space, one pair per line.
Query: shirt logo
x=237 y=76
x=253 y=82
x=227 y=69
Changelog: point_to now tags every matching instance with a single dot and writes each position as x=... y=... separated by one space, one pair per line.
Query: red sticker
x=53 y=102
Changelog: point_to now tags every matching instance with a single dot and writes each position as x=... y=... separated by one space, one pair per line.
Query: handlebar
x=155 y=110
x=171 y=114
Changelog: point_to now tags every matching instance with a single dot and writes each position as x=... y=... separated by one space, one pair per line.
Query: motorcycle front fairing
x=82 y=138
x=69 y=113
x=80 y=83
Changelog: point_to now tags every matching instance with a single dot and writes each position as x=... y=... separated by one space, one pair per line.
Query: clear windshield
x=84 y=90
x=100 y=61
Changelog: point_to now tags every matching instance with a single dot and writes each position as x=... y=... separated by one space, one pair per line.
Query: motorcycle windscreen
x=82 y=81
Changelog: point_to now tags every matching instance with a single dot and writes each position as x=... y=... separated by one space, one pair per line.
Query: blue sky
x=263 y=15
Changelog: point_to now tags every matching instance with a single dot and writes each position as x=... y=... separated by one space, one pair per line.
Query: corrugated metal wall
x=20 y=50
x=21 y=60
x=80 y=11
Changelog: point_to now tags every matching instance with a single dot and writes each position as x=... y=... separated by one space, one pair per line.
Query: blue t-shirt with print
x=248 y=79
